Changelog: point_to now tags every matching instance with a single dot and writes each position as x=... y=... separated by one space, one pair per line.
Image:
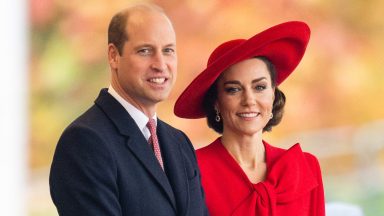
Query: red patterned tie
x=154 y=142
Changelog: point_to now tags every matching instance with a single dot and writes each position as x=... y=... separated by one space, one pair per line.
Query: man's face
x=145 y=71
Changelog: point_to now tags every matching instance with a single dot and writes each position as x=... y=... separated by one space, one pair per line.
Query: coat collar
x=174 y=165
x=136 y=142
x=289 y=177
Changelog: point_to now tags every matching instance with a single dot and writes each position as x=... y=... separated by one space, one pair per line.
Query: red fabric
x=293 y=186
x=283 y=44
x=154 y=141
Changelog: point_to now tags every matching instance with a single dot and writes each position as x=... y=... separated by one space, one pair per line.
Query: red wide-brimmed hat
x=284 y=45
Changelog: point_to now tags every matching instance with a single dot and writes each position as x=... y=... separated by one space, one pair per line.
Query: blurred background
x=334 y=98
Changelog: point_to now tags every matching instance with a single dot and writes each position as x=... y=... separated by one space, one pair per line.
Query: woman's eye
x=232 y=90
x=260 y=87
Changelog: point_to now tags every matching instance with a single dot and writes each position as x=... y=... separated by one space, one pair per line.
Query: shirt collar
x=139 y=117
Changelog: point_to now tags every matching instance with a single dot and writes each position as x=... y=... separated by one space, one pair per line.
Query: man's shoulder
x=176 y=134
x=89 y=117
x=167 y=127
x=92 y=120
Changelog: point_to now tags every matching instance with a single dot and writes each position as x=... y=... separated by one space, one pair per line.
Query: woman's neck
x=247 y=150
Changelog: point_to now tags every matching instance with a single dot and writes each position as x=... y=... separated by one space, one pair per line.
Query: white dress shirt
x=139 y=117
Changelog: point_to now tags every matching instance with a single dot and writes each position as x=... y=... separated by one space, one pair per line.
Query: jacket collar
x=136 y=142
x=175 y=164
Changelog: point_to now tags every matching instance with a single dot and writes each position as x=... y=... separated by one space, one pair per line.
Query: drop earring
x=271 y=116
x=217 y=118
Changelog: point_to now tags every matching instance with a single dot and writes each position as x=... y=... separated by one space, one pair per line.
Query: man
x=108 y=162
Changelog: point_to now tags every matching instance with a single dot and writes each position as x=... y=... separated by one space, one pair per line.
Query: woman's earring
x=271 y=116
x=217 y=118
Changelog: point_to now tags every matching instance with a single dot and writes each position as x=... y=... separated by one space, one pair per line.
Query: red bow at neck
x=288 y=179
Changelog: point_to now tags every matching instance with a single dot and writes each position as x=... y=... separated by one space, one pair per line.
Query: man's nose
x=159 y=63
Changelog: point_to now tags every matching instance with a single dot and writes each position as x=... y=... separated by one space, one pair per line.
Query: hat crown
x=283 y=45
x=224 y=48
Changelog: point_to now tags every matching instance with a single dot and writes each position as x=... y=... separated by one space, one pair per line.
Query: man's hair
x=117 y=34
x=277 y=110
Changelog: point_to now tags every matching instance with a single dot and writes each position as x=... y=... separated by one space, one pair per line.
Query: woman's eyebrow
x=239 y=83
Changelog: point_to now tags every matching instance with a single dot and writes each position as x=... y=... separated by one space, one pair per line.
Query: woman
x=238 y=94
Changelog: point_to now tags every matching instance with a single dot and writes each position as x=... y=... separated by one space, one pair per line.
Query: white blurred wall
x=343 y=209
x=13 y=106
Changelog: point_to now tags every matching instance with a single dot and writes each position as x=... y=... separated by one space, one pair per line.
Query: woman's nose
x=248 y=98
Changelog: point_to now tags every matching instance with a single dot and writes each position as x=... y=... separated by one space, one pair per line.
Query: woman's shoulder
x=210 y=156
x=209 y=149
x=277 y=152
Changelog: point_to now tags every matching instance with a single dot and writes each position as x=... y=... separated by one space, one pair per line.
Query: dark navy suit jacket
x=103 y=165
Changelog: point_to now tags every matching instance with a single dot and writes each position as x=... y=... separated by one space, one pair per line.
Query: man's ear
x=113 y=56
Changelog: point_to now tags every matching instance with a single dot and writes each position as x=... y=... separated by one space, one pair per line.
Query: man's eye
x=144 y=51
x=169 y=50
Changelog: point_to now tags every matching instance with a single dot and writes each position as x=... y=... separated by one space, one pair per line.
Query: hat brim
x=284 y=45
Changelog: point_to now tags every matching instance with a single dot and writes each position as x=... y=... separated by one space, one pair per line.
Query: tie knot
x=151 y=126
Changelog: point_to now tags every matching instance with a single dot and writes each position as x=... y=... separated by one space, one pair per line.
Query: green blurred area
x=338 y=84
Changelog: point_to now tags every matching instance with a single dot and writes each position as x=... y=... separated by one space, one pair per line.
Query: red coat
x=293 y=185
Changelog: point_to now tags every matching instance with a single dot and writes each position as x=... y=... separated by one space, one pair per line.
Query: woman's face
x=245 y=97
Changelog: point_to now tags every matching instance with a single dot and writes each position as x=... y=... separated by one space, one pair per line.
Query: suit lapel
x=141 y=149
x=174 y=165
x=136 y=142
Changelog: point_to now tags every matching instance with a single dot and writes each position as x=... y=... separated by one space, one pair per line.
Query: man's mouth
x=157 y=80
